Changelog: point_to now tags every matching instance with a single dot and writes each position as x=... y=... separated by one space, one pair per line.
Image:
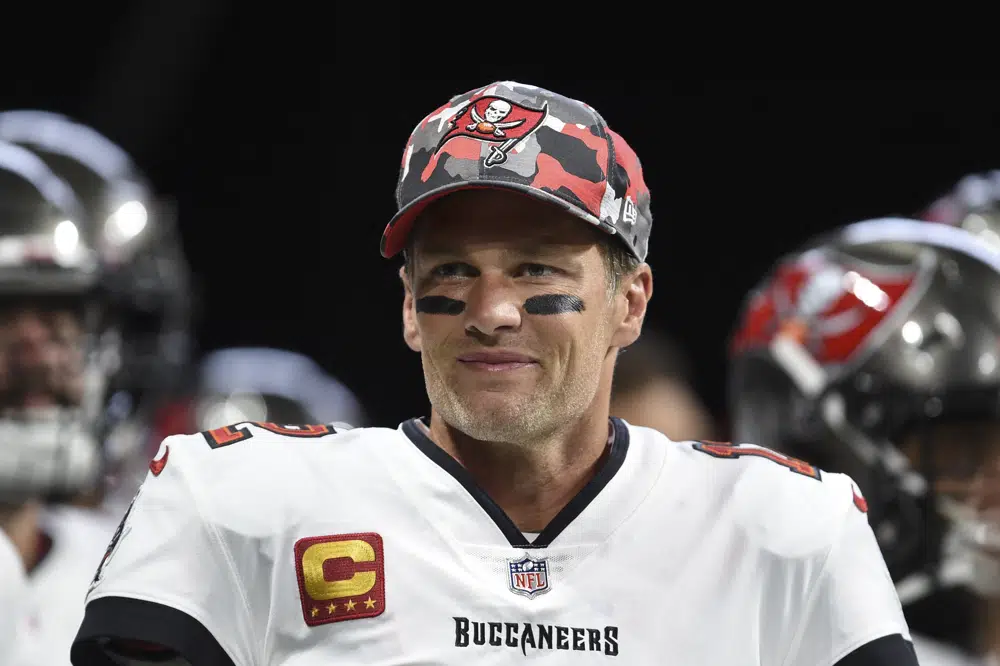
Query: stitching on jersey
x=225 y=554
x=814 y=593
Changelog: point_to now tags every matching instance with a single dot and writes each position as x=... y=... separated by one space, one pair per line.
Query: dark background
x=279 y=133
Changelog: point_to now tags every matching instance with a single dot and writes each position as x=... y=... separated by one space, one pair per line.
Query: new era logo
x=630 y=213
x=341 y=577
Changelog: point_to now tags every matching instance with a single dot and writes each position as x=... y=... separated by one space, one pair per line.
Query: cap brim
x=398 y=230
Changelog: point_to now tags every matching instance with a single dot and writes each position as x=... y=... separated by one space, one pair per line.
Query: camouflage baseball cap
x=513 y=136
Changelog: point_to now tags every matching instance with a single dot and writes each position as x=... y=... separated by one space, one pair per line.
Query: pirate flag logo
x=497 y=121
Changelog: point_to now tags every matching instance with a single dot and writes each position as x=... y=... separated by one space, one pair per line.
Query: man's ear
x=637 y=289
x=411 y=334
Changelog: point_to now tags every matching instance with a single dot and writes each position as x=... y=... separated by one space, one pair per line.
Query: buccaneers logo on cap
x=495 y=120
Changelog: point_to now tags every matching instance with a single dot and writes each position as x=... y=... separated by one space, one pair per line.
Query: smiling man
x=519 y=521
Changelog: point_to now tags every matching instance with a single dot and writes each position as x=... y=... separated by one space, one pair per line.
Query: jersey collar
x=416 y=431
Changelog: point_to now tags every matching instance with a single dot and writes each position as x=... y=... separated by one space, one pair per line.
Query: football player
x=518 y=522
x=83 y=345
x=652 y=387
x=146 y=273
x=973 y=204
x=872 y=351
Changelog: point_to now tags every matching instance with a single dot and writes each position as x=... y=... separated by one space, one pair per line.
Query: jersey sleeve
x=166 y=578
x=13 y=590
x=853 y=615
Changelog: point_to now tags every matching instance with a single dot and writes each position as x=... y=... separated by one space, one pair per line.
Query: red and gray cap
x=518 y=137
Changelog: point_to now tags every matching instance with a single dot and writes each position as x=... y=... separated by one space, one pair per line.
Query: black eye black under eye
x=440 y=305
x=548 y=304
x=545 y=304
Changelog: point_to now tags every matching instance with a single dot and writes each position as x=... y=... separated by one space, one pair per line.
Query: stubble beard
x=510 y=417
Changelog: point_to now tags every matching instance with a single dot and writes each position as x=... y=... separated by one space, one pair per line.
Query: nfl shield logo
x=528 y=576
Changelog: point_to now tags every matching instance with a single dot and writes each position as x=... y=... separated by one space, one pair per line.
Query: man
x=143 y=274
x=652 y=388
x=973 y=204
x=871 y=351
x=518 y=522
x=71 y=380
x=48 y=455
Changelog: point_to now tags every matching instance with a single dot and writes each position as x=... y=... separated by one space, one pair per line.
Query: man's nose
x=492 y=306
x=29 y=336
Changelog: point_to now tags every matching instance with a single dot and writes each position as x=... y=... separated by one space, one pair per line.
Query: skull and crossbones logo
x=808 y=316
x=490 y=121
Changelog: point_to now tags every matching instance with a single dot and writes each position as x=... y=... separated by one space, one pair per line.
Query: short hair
x=653 y=356
x=618 y=261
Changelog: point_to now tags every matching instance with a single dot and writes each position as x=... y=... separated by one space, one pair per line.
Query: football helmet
x=273 y=385
x=144 y=278
x=263 y=384
x=873 y=351
x=58 y=340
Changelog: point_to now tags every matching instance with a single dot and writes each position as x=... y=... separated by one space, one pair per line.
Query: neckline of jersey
x=414 y=431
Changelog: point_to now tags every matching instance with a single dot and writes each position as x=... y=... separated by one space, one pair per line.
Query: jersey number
x=719 y=450
x=239 y=432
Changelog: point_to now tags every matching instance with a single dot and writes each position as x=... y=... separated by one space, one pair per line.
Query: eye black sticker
x=545 y=304
x=440 y=305
x=550 y=304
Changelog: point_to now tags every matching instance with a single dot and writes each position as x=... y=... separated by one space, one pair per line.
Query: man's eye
x=537 y=270
x=452 y=270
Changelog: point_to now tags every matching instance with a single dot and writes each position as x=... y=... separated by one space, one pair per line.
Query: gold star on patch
x=350 y=605
x=369 y=603
x=331 y=608
x=314 y=611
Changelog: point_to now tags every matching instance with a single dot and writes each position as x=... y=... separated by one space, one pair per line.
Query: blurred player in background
x=92 y=329
x=259 y=384
x=652 y=387
x=874 y=352
x=973 y=204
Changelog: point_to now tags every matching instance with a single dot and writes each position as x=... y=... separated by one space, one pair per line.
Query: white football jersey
x=50 y=599
x=260 y=544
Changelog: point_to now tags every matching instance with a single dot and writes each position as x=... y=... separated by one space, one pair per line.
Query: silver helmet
x=263 y=384
x=59 y=347
x=267 y=384
x=145 y=282
x=875 y=351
